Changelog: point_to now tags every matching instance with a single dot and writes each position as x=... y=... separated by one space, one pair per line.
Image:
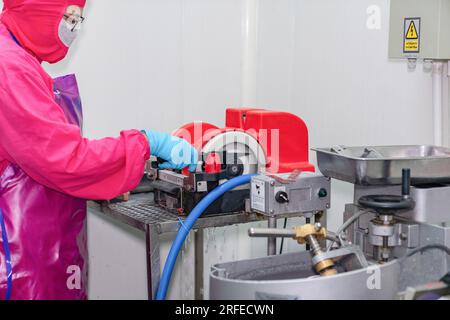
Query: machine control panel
x=296 y=192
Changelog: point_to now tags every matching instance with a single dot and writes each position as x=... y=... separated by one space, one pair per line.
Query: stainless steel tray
x=383 y=165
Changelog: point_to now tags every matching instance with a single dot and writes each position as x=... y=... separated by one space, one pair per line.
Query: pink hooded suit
x=46 y=166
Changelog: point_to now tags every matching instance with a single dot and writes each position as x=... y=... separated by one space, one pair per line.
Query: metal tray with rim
x=382 y=165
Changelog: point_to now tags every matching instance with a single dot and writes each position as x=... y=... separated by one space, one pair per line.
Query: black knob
x=281 y=197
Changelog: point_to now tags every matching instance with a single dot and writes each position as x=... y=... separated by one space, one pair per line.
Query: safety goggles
x=74 y=20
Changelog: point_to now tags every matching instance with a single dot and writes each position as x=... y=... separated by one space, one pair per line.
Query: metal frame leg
x=153 y=260
x=272 y=241
x=199 y=264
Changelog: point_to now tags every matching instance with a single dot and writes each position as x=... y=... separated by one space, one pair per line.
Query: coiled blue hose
x=188 y=224
x=7 y=257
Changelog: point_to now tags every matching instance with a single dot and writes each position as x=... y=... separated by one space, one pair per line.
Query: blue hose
x=7 y=256
x=188 y=224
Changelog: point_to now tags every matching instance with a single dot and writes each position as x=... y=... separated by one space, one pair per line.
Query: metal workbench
x=140 y=212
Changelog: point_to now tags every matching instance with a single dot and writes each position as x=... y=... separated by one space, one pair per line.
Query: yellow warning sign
x=412 y=31
x=411 y=41
x=411 y=46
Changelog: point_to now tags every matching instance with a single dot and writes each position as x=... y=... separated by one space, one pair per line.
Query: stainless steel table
x=141 y=213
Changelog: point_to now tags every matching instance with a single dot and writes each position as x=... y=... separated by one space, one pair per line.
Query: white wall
x=319 y=60
x=160 y=63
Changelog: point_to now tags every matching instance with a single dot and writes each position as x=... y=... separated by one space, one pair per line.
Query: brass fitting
x=326 y=268
x=329 y=272
x=312 y=234
x=302 y=232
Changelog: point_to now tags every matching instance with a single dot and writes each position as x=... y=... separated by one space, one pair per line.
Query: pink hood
x=35 y=25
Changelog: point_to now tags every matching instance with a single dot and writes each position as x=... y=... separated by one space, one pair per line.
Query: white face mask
x=66 y=34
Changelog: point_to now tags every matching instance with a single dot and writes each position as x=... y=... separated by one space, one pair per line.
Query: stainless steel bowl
x=382 y=165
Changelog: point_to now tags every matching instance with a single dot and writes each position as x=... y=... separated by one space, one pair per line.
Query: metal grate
x=147 y=213
x=141 y=212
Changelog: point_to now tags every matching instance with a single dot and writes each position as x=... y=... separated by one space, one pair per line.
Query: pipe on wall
x=446 y=106
x=250 y=15
x=438 y=81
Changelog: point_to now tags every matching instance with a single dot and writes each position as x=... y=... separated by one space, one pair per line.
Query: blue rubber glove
x=177 y=152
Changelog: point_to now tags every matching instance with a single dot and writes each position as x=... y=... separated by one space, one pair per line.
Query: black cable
x=426 y=248
x=422 y=250
x=282 y=239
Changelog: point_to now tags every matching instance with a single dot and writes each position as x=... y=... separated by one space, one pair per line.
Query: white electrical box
x=419 y=29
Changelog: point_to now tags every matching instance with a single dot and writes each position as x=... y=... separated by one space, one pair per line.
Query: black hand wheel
x=387 y=203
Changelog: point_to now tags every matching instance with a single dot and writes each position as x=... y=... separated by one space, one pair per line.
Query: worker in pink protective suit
x=46 y=166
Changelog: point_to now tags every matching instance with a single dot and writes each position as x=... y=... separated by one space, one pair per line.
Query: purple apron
x=43 y=247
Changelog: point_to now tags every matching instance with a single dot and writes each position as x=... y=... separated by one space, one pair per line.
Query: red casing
x=277 y=132
x=293 y=145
